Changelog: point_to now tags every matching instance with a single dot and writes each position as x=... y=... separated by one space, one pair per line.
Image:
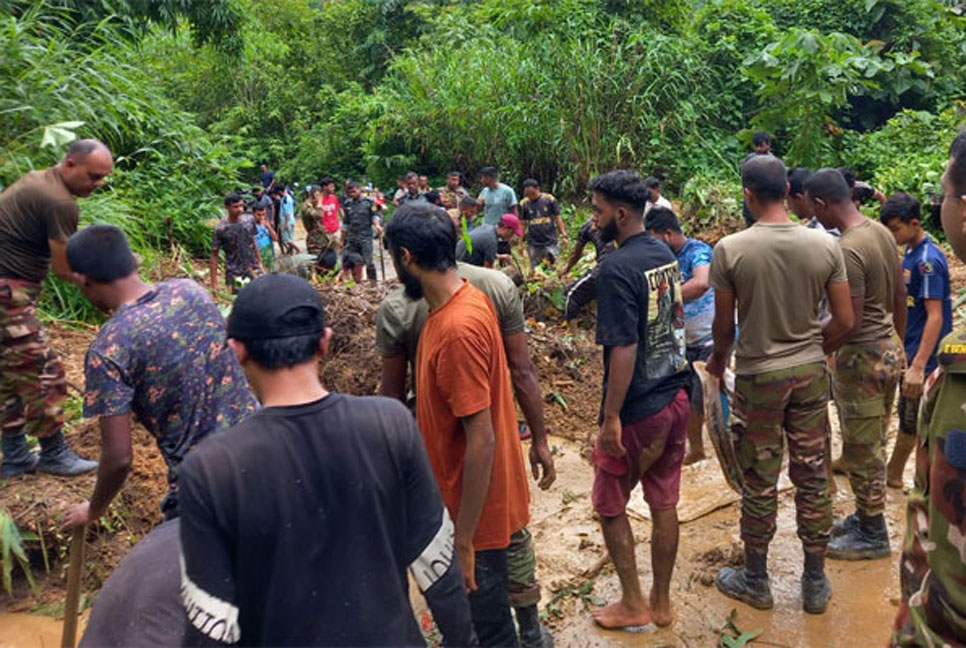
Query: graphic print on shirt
x=665 y=326
x=433 y=563
x=212 y=616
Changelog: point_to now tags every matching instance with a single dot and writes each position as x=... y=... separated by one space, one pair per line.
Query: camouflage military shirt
x=933 y=565
x=164 y=359
x=236 y=239
x=359 y=218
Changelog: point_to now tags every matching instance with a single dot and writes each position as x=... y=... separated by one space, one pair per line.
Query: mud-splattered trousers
x=33 y=385
x=864 y=379
x=793 y=401
x=933 y=566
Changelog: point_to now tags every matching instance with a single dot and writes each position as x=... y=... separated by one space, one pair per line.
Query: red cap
x=511 y=221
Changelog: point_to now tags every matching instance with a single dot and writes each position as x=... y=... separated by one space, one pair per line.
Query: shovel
x=74 y=572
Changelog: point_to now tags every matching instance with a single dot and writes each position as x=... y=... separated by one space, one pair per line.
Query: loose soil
x=572 y=561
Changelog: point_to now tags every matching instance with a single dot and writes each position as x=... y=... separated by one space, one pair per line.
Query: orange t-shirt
x=461 y=369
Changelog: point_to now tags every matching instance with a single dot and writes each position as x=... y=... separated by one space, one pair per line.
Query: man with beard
x=644 y=409
x=777 y=272
x=464 y=406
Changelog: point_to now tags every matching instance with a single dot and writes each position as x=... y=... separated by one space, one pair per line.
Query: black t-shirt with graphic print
x=639 y=302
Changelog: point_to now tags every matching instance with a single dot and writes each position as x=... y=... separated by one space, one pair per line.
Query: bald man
x=38 y=213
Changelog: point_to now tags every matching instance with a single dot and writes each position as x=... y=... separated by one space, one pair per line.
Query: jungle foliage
x=193 y=94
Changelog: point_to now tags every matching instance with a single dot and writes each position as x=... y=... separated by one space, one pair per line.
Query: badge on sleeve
x=925 y=267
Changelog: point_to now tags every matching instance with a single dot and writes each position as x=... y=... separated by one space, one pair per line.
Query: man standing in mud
x=644 y=413
x=778 y=271
x=866 y=369
x=464 y=406
x=933 y=566
x=38 y=213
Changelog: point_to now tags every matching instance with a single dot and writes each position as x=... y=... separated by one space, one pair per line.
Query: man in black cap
x=299 y=523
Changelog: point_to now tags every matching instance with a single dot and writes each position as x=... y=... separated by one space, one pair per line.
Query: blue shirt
x=262 y=238
x=288 y=211
x=497 y=202
x=698 y=313
x=926 y=275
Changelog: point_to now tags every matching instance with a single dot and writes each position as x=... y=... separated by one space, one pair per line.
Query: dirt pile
x=37 y=502
x=353 y=365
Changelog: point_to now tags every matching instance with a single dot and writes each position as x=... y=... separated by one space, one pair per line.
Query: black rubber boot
x=532 y=633
x=750 y=583
x=867 y=540
x=816 y=590
x=17 y=457
x=57 y=458
x=845 y=525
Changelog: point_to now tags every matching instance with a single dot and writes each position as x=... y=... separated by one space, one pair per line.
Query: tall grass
x=169 y=173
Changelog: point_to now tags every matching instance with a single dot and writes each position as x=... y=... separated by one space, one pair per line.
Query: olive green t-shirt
x=778 y=273
x=870 y=262
x=34 y=209
x=400 y=320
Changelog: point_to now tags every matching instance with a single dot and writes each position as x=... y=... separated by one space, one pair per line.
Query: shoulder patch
x=926 y=267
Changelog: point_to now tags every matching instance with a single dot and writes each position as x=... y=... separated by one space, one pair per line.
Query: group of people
x=293 y=513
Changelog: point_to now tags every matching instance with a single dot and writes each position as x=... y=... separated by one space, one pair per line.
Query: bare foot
x=617 y=616
x=694 y=456
x=661 y=616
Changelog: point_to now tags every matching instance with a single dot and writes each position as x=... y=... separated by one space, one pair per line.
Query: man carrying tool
x=932 y=573
x=464 y=406
x=161 y=356
x=866 y=368
x=38 y=213
x=777 y=272
x=298 y=524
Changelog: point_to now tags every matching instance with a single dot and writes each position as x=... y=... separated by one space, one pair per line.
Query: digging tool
x=74 y=572
x=382 y=254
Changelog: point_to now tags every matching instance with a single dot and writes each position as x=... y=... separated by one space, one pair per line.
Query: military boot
x=17 y=457
x=750 y=583
x=532 y=633
x=897 y=462
x=816 y=590
x=57 y=458
x=844 y=525
x=867 y=540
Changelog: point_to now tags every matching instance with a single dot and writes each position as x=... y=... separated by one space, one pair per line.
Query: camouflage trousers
x=32 y=381
x=793 y=401
x=932 y=571
x=864 y=380
x=521 y=565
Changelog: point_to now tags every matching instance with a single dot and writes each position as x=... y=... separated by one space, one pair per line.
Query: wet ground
x=569 y=543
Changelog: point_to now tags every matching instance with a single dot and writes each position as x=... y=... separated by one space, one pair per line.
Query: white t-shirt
x=661 y=202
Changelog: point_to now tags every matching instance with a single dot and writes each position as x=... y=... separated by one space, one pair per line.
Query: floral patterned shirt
x=164 y=358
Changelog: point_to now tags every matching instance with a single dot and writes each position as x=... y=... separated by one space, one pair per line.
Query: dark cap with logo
x=276 y=306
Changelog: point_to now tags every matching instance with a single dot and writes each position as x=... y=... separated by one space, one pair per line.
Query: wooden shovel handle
x=74 y=573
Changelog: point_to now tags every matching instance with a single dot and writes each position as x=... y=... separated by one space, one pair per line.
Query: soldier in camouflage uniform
x=316 y=238
x=933 y=565
x=776 y=273
x=867 y=367
x=38 y=213
x=361 y=216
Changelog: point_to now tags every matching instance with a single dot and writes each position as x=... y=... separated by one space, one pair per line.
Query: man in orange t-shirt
x=464 y=407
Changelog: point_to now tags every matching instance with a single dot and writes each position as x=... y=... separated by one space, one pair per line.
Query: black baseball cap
x=276 y=306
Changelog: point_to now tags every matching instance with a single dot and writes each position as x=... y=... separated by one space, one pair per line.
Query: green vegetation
x=193 y=94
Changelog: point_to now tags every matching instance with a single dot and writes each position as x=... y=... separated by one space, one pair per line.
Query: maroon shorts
x=614 y=478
